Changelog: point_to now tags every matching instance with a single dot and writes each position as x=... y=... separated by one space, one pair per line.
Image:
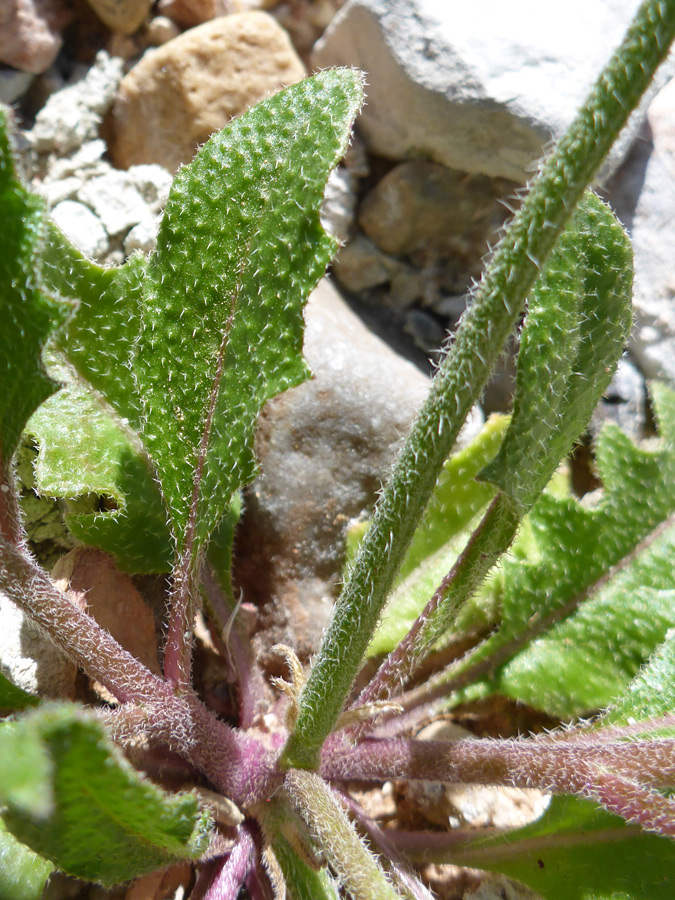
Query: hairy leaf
x=28 y=314
x=457 y=499
x=23 y=874
x=98 y=339
x=577 y=545
x=240 y=248
x=579 y=317
x=577 y=852
x=652 y=693
x=88 y=810
x=84 y=449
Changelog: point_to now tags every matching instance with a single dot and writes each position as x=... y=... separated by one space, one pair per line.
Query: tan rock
x=194 y=12
x=124 y=16
x=30 y=33
x=179 y=94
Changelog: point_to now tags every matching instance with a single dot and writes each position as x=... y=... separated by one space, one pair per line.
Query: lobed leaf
x=88 y=810
x=28 y=314
x=84 y=449
x=579 y=318
x=584 y=663
x=240 y=247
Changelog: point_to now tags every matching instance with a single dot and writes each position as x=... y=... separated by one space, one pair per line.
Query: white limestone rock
x=83 y=228
x=480 y=86
x=29 y=659
x=72 y=116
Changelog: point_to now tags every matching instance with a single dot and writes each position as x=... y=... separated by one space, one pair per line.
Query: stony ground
x=112 y=96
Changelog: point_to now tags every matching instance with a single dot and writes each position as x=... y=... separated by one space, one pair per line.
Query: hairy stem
x=491 y=539
x=497 y=302
x=334 y=834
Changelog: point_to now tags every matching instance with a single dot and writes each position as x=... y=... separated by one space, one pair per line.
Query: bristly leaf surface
x=576 y=546
x=85 y=808
x=28 y=314
x=577 y=852
x=240 y=247
x=84 y=449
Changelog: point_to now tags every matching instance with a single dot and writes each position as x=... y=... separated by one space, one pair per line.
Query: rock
x=339 y=203
x=115 y=200
x=160 y=31
x=85 y=163
x=83 y=228
x=182 y=92
x=324 y=448
x=624 y=403
x=29 y=659
x=360 y=265
x=425 y=330
x=73 y=115
x=192 y=12
x=142 y=236
x=643 y=194
x=427 y=212
x=480 y=99
x=13 y=84
x=124 y=16
x=30 y=36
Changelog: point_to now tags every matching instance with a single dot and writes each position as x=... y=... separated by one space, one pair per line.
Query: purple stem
x=238 y=765
x=632 y=802
x=231 y=873
x=75 y=632
x=528 y=763
x=240 y=650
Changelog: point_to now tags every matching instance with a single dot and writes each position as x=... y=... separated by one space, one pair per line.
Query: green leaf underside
x=96 y=818
x=239 y=250
x=577 y=852
x=28 y=315
x=579 y=317
x=457 y=499
x=576 y=547
x=23 y=874
x=83 y=450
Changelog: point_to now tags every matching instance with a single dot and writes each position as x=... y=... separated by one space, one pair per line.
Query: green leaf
x=600 y=648
x=23 y=874
x=457 y=499
x=584 y=663
x=13 y=697
x=98 y=339
x=82 y=806
x=652 y=693
x=28 y=314
x=239 y=249
x=84 y=449
x=579 y=317
x=577 y=852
